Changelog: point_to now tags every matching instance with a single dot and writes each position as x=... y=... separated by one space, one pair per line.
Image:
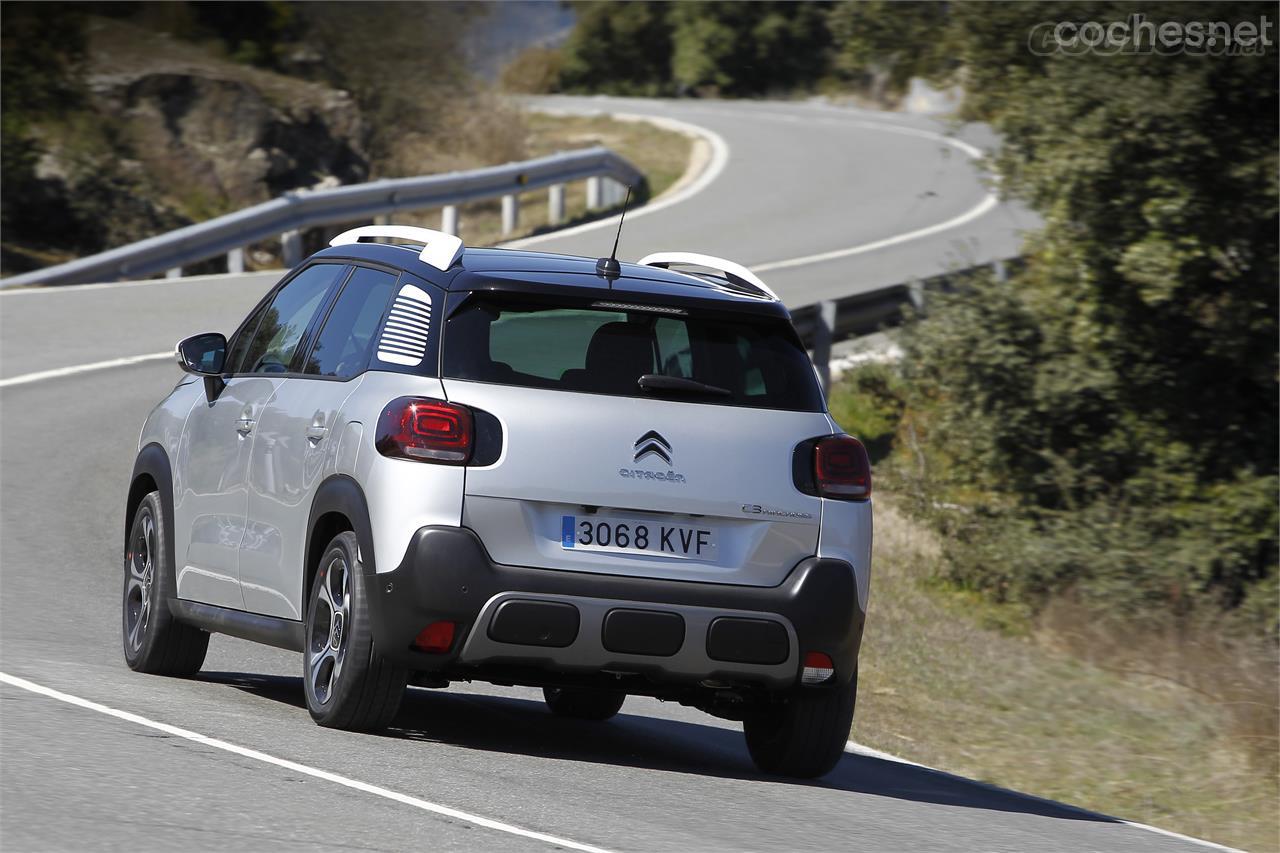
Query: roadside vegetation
x=121 y=121
x=1091 y=444
x=951 y=680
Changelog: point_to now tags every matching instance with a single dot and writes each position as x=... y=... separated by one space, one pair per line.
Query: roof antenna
x=609 y=267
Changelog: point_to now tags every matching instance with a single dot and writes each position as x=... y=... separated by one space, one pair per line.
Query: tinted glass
x=747 y=362
x=240 y=344
x=275 y=341
x=343 y=346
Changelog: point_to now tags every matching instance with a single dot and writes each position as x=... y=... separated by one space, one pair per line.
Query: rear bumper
x=578 y=624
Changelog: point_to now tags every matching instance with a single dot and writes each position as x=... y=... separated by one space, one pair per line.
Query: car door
x=297 y=444
x=211 y=480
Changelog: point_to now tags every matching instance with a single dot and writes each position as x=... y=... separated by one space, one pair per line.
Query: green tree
x=1112 y=410
x=747 y=48
x=882 y=45
x=620 y=47
x=727 y=48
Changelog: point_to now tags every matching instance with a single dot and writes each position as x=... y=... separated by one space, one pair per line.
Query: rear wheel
x=155 y=642
x=805 y=735
x=347 y=684
x=583 y=704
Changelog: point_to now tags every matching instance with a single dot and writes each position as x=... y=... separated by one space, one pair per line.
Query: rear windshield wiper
x=659 y=383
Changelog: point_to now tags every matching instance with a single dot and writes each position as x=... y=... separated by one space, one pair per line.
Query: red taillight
x=841 y=468
x=426 y=430
x=436 y=638
x=818 y=668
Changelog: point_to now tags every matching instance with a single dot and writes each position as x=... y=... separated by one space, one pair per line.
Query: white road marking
x=858 y=749
x=989 y=201
x=205 y=740
x=41 y=375
x=969 y=215
x=719 y=159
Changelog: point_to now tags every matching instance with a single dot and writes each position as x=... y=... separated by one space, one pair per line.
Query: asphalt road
x=799 y=180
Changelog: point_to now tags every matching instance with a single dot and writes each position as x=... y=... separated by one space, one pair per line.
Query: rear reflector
x=841 y=468
x=818 y=669
x=426 y=430
x=436 y=638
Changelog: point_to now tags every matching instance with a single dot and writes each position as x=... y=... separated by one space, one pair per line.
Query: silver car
x=417 y=463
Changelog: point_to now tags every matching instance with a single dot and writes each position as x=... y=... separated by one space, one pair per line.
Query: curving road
x=116 y=760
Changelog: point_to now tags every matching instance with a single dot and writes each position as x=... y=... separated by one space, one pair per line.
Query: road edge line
x=988 y=203
x=720 y=153
x=855 y=748
x=245 y=752
x=58 y=372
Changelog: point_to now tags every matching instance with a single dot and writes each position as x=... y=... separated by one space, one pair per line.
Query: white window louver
x=404 y=335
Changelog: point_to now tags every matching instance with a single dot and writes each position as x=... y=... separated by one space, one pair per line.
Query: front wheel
x=155 y=642
x=803 y=736
x=347 y=683
x=583 y=704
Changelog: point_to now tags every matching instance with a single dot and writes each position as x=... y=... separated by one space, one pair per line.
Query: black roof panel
x=516 y=270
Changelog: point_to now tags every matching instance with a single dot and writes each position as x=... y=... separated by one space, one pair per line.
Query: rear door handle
x=315 y=432
x=244 y=426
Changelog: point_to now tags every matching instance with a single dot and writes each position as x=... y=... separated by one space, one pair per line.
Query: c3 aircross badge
x=651 y=444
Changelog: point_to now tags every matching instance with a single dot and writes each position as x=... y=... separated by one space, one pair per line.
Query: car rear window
x=744 y=362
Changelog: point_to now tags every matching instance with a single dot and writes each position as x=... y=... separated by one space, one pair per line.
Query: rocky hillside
x=160 y=134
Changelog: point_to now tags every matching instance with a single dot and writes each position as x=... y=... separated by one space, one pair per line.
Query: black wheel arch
x=339 y=505
x=151 y=472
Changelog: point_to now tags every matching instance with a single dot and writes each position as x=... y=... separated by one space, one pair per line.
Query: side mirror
x=204 y=355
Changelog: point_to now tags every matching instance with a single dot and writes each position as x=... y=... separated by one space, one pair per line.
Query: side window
x=240 y=344
x=343 y=346
x=275 y=342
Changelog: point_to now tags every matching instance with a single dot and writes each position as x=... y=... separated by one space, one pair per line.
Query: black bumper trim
x=446 y=573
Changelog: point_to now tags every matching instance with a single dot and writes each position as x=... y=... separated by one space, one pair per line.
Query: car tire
x=803 y=736
x=347 y=683
x=154 y=641
x=580 y=704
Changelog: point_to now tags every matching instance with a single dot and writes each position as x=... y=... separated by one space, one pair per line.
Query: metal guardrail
x=823 y=323
x=604 y=171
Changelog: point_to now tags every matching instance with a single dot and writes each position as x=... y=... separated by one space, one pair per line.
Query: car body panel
x=211 y=496
x=294 y=448
x=403 y=495
x=568 y=453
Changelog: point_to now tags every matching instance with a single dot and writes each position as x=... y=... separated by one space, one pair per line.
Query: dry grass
x=661 y=155
x=939 y=687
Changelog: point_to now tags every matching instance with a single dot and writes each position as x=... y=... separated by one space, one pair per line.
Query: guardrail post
x=235 y=260
x=593 y=193
x=291 y=248
x=555 y=204
x=823 y=332
x=614 y=192
x=449 y=219
x=510 y=213
x=915 y=292
x=174 y=272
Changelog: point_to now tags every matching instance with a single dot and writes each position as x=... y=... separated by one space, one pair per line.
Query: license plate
x=637 y=536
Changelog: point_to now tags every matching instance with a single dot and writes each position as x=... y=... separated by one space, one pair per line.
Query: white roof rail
x=667 y=259
x=438 y=248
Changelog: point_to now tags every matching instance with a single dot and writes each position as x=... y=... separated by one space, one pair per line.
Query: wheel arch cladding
x=151 y=472
x=339 y=505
